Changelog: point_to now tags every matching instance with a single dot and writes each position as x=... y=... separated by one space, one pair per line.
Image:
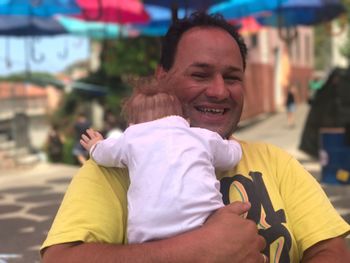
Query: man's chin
x=222 y=132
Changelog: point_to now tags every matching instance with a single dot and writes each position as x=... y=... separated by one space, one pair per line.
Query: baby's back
x=173 y=184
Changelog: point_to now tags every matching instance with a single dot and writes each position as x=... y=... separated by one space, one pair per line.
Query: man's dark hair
x=197 y=19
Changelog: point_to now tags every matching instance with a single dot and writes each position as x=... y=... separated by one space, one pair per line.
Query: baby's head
x=149 y=101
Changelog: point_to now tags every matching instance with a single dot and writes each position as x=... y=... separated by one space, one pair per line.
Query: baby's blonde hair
x=149 y=101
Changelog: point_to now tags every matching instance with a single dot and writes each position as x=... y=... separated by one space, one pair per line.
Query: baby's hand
x=93 y=137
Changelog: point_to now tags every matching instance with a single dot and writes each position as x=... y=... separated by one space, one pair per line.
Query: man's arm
x=225 y=237
x=332 y=250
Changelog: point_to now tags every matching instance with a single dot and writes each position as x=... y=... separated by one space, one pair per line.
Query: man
x=284 y=216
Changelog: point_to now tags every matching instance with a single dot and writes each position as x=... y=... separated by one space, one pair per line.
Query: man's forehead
x=203 y=31
x=203 y=65
x=195 y=52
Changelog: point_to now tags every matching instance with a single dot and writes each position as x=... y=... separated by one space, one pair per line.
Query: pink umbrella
x=247 y=25
x=113 y=11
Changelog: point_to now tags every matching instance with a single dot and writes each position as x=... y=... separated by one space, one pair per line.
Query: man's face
x=207 y=76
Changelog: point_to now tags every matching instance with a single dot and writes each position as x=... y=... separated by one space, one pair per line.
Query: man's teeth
x=215 y=111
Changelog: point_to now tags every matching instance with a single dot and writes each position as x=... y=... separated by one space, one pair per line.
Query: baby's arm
x=107 y=152
x=226 y=153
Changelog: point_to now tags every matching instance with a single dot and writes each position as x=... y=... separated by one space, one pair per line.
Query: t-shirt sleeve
x=312 y=216
x=226 y=153
x=94 y=208
x=110 y=152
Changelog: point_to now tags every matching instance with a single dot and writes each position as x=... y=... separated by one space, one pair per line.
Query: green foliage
x=345 y=49
x=131 y=56
x=38 y=78
x=322 y=43
x=119 y=59
x=68 y=157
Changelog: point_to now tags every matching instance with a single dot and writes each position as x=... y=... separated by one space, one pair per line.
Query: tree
x=323 y=40
x=345 y=49
x=131 y=56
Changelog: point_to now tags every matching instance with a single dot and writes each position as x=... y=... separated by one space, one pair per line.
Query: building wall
x=27 y=99
x=270 y=62
x=258 y=90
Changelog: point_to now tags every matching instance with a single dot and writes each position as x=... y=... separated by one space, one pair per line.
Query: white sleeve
x=226 y=153
x=110 y=152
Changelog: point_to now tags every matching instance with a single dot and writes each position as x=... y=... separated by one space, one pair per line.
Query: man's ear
x=160 y=72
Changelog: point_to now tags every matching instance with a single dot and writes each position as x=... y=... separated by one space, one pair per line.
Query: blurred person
x=80 y=126
x=55 y=142
x=291 y=105
x=112 y=125
x=274 y=207
x=173 y=186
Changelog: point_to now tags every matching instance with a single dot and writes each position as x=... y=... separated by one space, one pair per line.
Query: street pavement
x=29 y=199
x=30 y=196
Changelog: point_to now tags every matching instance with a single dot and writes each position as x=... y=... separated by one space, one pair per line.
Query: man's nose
x=217 y=89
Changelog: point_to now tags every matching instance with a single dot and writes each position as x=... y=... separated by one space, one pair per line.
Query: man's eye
x=199 y=75
x=232 y=78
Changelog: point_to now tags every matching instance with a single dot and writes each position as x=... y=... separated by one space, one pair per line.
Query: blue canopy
x=236 y=9
x=302 y=12
x=96 y=30
x=186 y=4
x=42 y=8
x=30 y=26
x=160 y=20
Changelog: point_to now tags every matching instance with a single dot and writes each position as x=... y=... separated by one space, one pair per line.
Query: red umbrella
x=113 y=11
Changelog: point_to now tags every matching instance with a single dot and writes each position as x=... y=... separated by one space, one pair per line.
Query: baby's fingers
x=91 y=133
x=98 y=135
x=85 y=138
x=84 y=144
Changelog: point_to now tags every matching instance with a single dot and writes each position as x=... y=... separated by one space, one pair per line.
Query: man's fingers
x=239 y=208
x=262 y=243
x=265 y=258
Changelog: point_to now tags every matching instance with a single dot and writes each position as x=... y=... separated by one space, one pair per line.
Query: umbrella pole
x=7 y=54
x=174 y=12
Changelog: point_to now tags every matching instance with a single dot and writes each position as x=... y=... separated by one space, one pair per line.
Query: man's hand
x=231 y=237
x=89 y=141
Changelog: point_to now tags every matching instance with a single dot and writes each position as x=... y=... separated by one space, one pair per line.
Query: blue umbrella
x=175 y=5
x=235 y=9
x=96 y=30
x=301 y=12
x=42 y=8
x=34 y=17
x=26 y=26
x=160 y=20
x=191 y=4
x=30 y=26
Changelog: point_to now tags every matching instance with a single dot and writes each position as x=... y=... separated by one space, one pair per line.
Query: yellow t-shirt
x=288 y=205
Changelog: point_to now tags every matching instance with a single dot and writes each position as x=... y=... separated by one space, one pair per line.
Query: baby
x=171 y=165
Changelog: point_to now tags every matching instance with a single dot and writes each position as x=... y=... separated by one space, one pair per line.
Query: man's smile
x=211 y=110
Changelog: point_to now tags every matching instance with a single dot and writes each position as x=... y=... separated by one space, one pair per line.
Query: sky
x=48 y=47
